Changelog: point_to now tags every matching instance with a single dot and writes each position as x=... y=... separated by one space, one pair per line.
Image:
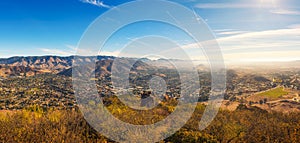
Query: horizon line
x=225 y=61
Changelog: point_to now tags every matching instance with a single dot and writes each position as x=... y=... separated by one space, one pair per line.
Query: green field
x=274 y=93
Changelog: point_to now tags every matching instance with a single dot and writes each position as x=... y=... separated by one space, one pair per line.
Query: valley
x=47 y=82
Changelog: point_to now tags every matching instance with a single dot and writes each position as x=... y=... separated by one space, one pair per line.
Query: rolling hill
x=29 y=66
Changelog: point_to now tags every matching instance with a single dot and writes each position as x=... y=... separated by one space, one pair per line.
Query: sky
x=246 y=30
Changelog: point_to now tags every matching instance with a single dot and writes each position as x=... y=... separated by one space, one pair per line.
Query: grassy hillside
x=274 y=93
x=243 y=125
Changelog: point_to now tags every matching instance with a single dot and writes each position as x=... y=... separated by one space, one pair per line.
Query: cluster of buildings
x=56 y=91
x=45 y=91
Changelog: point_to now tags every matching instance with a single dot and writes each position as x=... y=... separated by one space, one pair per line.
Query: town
x=56 y=91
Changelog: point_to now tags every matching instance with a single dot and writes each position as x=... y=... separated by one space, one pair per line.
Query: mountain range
x=29 y=66
x=32 y=65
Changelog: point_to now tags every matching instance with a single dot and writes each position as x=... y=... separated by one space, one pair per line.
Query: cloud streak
x=96 y=3
x=231 y=5
x=280 y=39
x=286 y=12
x=279 y=44
x=229 y=32
x=56 y=52
x=267 y=5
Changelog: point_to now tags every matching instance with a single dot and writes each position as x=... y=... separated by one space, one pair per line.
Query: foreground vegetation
x=243 y=125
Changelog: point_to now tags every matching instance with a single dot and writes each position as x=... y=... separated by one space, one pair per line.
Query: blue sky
x=247 y=30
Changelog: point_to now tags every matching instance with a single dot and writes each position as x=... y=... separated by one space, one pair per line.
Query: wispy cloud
x=228 y=32
x=219 y=5
x=280 y=44
x=223 y=30
x=279 y=39
x=269 y=5
x=71 y=47
x=285 y=12
x=107 y=53
x=75 y=51
x=231 y=5
x=56 y=52
x=96 y=3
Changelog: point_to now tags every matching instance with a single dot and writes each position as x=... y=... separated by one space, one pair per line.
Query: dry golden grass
x=242 y=125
